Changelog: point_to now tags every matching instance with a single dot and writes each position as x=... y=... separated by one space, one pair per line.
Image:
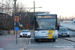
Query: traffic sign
x=16 y=28
x=16 y=23
x=16 y=19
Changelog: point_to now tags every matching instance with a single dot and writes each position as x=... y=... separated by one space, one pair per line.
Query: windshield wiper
x=53 y=28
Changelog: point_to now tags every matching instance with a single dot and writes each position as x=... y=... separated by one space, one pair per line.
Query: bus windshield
x=45 y=23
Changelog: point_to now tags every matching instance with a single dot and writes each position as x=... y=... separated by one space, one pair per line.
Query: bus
x=45 y=27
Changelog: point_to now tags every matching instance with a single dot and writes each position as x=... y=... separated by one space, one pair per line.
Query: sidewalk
x=70 y=39
x=9 y=42
x=14 y=46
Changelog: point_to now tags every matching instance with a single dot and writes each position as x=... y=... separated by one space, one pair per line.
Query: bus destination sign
x=44 y=16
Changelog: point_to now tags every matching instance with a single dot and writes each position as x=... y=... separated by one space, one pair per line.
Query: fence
x=12 y=31
x=9 y=31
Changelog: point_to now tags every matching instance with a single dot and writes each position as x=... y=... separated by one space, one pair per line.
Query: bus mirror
x=58 y=27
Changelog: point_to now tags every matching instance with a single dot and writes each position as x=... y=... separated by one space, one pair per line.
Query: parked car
x=25 y=33
x=63 y=32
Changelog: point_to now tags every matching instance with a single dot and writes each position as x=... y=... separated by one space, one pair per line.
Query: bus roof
x=46 y=14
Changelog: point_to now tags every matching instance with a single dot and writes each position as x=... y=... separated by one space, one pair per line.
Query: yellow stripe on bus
x=50 y=33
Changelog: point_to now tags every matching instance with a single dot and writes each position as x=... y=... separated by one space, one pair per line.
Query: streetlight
x=35 y=7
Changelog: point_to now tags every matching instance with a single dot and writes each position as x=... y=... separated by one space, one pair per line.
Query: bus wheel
x=54 y=40
x=36 y=40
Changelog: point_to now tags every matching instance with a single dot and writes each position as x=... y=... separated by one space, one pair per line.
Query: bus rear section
x=45 y=27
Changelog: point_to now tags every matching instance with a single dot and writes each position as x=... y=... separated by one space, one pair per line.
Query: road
x=47 y=45
x=30 y=44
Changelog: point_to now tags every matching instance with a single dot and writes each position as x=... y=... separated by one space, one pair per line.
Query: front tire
x=68 y=36
x=36 y=40
x=54 y=40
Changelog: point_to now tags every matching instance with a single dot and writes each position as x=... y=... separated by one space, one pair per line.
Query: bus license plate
x=46 y=37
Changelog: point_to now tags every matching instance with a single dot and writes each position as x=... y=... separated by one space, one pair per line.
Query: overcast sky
x=60 y=7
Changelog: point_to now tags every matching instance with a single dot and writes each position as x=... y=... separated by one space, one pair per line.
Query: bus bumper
x=38 y=37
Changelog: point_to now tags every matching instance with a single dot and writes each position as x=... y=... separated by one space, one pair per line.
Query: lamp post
x=34 y=6
x=2 y=5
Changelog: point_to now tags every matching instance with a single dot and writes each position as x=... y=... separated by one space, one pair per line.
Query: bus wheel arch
x=36 y=40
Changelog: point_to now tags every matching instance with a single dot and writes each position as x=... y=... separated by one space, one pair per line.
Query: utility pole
x=8 y=6
x=14 y=12
x=2 y=5
x=34 y=7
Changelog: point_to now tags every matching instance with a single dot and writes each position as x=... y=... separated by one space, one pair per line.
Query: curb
x=69 y=40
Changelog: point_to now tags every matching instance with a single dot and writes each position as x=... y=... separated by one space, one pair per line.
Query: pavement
x=8 y=42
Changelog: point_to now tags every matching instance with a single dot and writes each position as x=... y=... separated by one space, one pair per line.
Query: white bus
x=45 y=27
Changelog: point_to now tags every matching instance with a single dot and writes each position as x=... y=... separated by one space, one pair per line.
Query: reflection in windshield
x=45 y=23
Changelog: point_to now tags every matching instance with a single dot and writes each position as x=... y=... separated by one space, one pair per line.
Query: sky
x=60 y=7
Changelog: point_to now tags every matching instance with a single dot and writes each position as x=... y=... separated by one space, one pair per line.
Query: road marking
x=29 y=41
x=22 y=49
x=51 y=44
x=51 y=49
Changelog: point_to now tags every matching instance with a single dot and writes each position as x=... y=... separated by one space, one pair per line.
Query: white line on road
x=47 y=44
x=29 y=41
